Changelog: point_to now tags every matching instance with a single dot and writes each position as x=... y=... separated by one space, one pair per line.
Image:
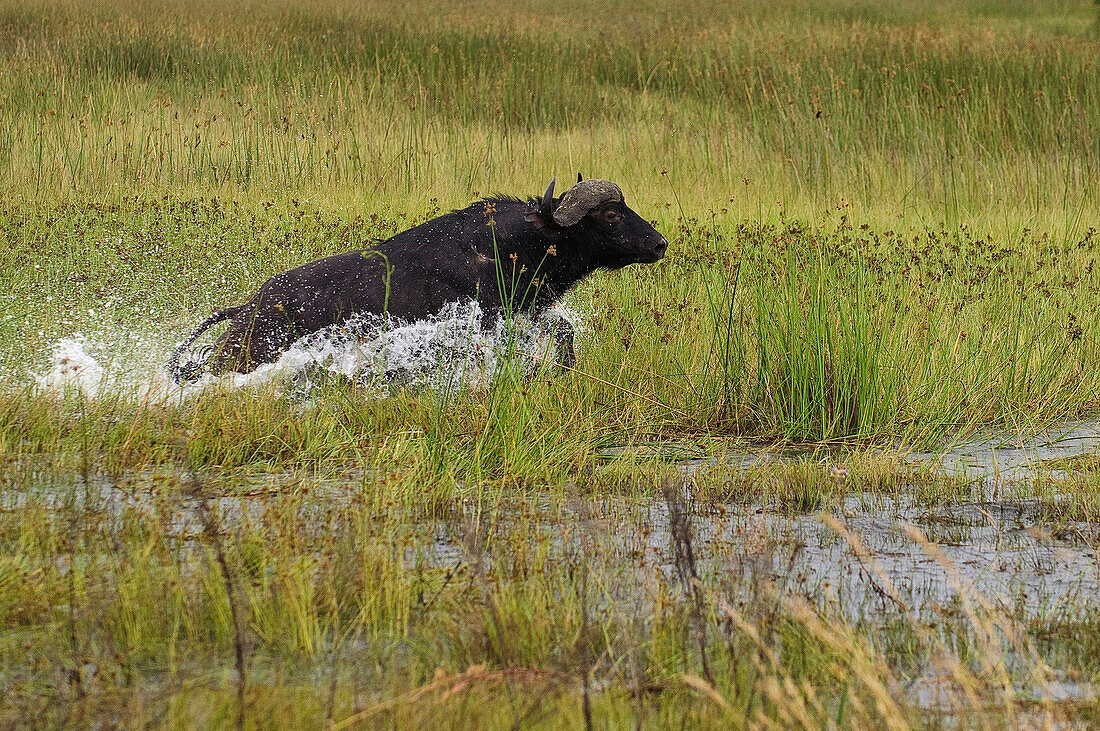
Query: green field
x=883 y=237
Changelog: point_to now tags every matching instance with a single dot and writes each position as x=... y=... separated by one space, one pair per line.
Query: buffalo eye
x=612 y=216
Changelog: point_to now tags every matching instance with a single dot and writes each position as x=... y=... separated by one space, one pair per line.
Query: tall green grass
x=849 y=333
x=955 y=113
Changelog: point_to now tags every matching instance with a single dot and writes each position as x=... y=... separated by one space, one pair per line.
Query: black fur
x=506 y=253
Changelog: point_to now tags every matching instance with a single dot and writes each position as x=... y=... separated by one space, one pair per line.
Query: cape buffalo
x=508 y=254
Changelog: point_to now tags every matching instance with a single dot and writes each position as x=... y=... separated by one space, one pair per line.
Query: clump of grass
x=852 y=333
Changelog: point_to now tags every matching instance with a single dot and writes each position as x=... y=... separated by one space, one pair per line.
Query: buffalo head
x=596 y=211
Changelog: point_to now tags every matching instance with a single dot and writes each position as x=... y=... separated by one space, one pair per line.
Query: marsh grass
x=882 y=226
x=348 y=615
x=955 y=114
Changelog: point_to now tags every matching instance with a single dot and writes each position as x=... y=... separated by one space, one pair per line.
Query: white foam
x=458 y=348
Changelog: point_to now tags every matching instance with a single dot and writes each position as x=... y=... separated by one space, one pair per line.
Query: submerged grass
x=883 y=232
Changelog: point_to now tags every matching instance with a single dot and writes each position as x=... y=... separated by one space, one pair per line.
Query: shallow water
x=1010 y=553
x=1003 y=555
x=997 y=459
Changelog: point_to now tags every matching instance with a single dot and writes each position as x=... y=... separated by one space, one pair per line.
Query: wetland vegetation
x=744 y=507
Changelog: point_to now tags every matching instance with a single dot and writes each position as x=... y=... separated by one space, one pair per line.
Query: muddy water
x=1009 y=552
x=1001 y=552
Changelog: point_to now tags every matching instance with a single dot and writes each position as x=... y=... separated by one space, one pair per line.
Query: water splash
x=459 y=348
x=72 y=368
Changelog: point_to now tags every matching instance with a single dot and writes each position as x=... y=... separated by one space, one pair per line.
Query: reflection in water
x=1016 y=553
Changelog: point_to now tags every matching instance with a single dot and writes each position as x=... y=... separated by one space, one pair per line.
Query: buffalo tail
x=179 y=375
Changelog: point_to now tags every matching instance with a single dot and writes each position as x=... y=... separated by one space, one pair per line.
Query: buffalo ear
x=579 y=178
x=548 y=198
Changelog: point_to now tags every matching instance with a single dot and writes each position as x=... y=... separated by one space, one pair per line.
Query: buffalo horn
x=548 y=197
x=582 y=198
